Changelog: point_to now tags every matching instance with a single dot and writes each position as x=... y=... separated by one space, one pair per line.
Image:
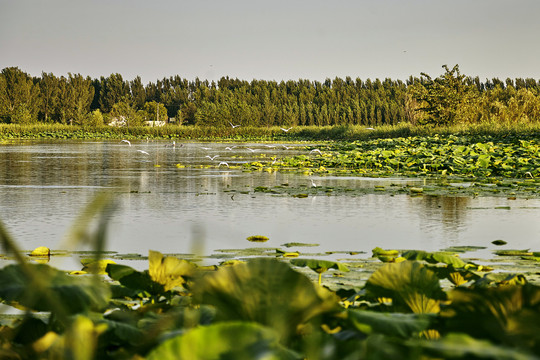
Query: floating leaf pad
x=257 y=238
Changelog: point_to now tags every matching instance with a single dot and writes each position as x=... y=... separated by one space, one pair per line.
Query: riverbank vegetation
x=450 y=99
x=400 y=304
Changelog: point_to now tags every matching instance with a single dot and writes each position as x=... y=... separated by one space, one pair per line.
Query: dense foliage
x=450 y=98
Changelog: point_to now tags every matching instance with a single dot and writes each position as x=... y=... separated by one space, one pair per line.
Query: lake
x=193 y=207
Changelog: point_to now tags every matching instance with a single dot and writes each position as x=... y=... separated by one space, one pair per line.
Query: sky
x=271 y=40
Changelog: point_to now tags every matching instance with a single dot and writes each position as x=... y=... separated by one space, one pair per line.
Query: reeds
x=299 y=133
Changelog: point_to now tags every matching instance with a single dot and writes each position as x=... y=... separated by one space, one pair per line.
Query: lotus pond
x=409 y=240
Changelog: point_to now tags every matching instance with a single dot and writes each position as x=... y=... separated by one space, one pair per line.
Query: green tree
x=113 y=90
x=48 y=86
x=75 y=95
x=445 y=99
x=18 y=95
x=155 y=111
x=138 y=93
x=123 y=114
x=82 y=94
x=93 y=119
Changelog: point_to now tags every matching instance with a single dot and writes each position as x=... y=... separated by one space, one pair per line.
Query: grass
x=300 y=133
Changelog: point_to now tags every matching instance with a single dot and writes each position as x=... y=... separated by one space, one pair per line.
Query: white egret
x=313 y=183
x=317 y=151
x=126 y=141
x=223 y=163
x=286 y=130
x=143 y=152
x=252 y=150
x=212 y=157
x=233 y=126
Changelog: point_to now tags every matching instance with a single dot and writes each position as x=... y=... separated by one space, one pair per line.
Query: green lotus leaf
x=434 y=257
x=378 y=251
x=410 y=284
x=56 y=291
x=319 y=266
x=457 y=276
x=133 y=279
x=169 y=271
x=228 y=340
x=525 y=252
x=500 y=279
x=462 y=346
x=389 y=324
x=504 y=314
x=266 y=291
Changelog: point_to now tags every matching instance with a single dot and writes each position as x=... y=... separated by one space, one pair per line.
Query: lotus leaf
x=228 y=340
x=48 y=289
x=434 y=257
x=169 y=271
x=505 y=314
x=133 y=279
x=378 y=251
x=77 y=342
x=410 y=284
x=257 y=238
x=319 y=266
x=266 y=291
x=41 y=251
x=391 y=324
x=462 y=346
x=96 y=266
x=513 y=252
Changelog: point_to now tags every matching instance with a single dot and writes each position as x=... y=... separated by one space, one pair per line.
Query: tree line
x=450 y=98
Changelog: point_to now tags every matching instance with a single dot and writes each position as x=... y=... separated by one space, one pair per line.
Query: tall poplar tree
x=19 y=96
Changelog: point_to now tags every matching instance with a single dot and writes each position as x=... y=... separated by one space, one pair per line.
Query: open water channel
x=44 y=185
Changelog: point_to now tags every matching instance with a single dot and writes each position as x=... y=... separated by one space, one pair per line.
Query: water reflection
x=44 y=185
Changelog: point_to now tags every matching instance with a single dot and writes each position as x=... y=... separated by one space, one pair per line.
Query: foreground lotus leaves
x=399 y=325
x=266 y=291
x=48 y=289
x=506 y=315
x=228 y=340
x=78 y=342
x=96 y=266
x=410 y=284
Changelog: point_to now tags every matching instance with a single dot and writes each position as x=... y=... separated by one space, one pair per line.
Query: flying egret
x=212 y=157
x=233 y=126
x=252 y=150
x=286 y=130
x=223 y=163
x=126 y=141
x=317 y=151
x=230 y=147
x=205 y=148
x=143 y=152
x=286 y=147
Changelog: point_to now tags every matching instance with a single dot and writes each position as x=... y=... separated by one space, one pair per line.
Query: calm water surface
x=44 y=186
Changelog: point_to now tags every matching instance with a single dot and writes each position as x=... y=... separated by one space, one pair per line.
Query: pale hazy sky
x=271 y=40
